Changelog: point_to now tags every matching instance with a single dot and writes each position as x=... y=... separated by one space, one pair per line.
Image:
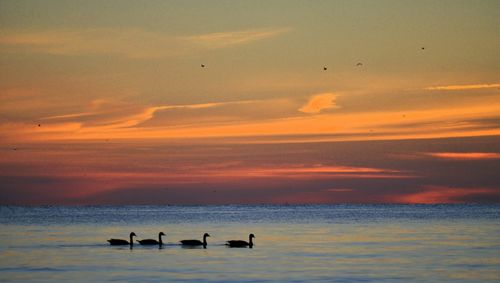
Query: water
x=339 y=243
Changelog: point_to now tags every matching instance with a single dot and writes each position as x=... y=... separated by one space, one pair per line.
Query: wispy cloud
x=148 y=113
x=68 y=116
x=341 y=190
x=116 y=115
x=465 y=155
x=319 y=102
x=131 y=43
x=227 y=39
x=308 y=172
x=462 y=87
x=21 y=92
x=208 y=173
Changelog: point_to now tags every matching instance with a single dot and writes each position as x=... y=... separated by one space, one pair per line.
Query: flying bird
x=423 y=48
x=325 y=68
x=359 y=64
x=203 y=65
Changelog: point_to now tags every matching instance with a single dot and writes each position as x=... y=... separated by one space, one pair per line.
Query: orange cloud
x=307 y=172
x=462 y=87
x=319 y=102
x=436 y=194
x=126 y=121
x=465 y=155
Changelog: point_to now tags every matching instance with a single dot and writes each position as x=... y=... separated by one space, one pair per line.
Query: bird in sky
x=203 y=65
x=359 y=64
x=325 y=68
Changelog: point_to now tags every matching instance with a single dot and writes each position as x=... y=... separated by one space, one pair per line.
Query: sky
x=249 y=102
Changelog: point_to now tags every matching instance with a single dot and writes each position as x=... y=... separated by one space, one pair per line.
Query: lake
x=294 y=243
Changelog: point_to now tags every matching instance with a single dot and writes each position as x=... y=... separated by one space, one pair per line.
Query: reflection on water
x=295 y=243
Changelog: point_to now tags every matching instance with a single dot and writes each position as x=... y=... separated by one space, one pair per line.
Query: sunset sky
x=107 y=102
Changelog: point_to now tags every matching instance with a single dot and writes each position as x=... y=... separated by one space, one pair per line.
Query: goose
x=152 y=241
x=121 y=242
x=196 y=242
x=241 y=243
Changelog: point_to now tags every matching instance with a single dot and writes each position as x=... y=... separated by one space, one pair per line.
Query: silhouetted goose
x=196 y=242
x=241 y=243
x=121 y=242
x=152 y=241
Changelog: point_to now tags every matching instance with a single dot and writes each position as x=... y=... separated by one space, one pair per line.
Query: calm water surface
x=339 y=243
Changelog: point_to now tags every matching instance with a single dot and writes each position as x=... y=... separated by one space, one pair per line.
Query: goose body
x=196 y=242
x=192 y=242
x=149 y=242
x=121 y=242
x=152 y=241
x=241 y=243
